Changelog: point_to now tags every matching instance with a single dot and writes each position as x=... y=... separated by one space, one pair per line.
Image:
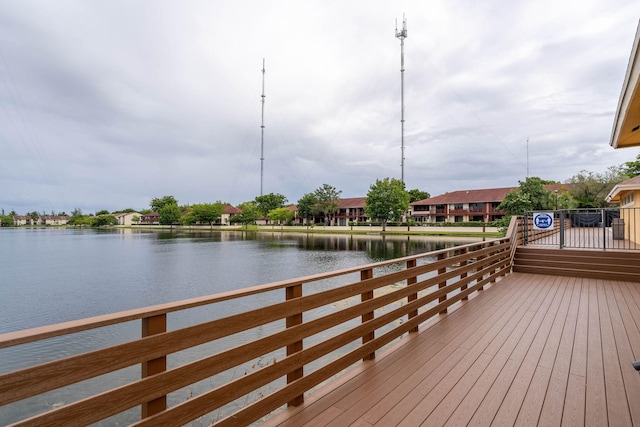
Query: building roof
x=630 y=184
x=486 y=195
x=124 y=214
x=352 y=202
x=626 y=124
x=230 y=210
x=467 y=196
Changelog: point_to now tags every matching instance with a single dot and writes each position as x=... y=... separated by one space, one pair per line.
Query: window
x=476 y=207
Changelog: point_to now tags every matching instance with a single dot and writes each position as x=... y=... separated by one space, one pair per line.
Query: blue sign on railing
x=542 y=221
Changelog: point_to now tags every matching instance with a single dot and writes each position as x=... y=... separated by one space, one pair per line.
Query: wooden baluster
x=292 y=292
x=364 y=275
x=412 y=281
x=463 y=275
x=441 y=285
x=480 y=267
x=495 y=269
x=152 y=326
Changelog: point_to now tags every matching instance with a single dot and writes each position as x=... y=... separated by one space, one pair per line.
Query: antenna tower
x=527 y=157
x=262 y=134
x=402 y=34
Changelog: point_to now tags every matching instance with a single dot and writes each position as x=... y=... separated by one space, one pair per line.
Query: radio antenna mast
x=262 y=134
x=402 y=34
x=527 y=157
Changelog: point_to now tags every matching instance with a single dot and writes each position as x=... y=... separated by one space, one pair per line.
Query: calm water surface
x=52 y=275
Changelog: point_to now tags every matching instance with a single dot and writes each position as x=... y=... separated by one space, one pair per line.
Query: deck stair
x=600 y=264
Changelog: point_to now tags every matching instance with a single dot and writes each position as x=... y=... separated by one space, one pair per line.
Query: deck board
x=530 y=349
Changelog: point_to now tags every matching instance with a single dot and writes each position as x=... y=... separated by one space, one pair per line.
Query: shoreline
x=363 y=230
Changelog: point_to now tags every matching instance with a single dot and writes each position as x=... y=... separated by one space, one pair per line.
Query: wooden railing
x=316 y=331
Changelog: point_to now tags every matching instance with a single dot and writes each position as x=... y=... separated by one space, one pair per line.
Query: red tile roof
x=230 y=210
x=351 y=203
x=480 y=196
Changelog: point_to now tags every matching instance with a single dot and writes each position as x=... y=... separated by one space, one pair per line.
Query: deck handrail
x=389 y=305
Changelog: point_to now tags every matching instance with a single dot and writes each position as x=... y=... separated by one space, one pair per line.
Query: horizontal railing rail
x=604 y=229
x=306 y=334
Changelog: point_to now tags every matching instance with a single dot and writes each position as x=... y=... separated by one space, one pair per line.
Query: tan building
x=54 y=220
x=350 y=210
x=41 y=220
x=627 y=194
x=626 y=133
x=22 y=220
x=229 y=212
x=626 y=125
x=126 y=219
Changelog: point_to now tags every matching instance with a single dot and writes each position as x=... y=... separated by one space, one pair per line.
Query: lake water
x=52 y=275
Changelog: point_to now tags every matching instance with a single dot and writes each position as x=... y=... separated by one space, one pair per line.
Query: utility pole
x=262 y=134
x=402 y=34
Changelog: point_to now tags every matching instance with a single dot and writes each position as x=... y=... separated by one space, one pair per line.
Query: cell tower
x=402 y=34
x=262 y=134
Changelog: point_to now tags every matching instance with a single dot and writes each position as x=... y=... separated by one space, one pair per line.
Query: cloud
x=105 y=105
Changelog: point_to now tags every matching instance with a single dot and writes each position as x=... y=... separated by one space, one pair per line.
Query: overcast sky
x=107 y=104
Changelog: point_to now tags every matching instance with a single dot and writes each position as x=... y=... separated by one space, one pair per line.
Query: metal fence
x=604 y=229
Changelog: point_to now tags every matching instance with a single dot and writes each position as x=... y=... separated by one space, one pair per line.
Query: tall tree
x=6 y=221
x=281 y=215
x=533 y=188
x=531 y=195
x=158 y=203
x=103 y=221
x=327 y=203
x=590 y=189
x=415 y=195
x=249 y=214
x=169 y=214
x=387 y=200
x=35 y=217
x=269 y=202
x=308 y=206
x=515 y=202
x=207 y=213
x=632 y=169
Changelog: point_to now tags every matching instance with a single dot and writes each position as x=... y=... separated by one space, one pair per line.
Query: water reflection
x=377 y=247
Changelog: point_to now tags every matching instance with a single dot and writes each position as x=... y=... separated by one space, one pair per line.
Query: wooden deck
x=531 y=349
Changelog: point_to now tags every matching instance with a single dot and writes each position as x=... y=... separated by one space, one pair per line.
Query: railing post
x=442 y=270
x=463 y=275
x=364 y=275
x=292 y=292
x=604 y=228
x=412 y=281
x=152 y=326
x=562 y=228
